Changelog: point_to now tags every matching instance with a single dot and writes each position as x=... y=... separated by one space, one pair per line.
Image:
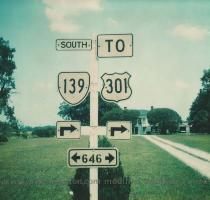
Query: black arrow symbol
x=110 y=157
x=121 y=129
x=63 y=129
x=75 y=157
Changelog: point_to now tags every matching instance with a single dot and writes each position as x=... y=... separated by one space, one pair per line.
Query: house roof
x=142 y=112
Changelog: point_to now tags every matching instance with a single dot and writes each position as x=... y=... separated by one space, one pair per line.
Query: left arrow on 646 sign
x=101 y=157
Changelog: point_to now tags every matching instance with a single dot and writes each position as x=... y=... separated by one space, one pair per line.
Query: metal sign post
x=93 y=139
x=74 y=88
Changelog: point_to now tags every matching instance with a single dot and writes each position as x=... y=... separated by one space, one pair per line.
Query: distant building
x=184 y=127
x=142 y=125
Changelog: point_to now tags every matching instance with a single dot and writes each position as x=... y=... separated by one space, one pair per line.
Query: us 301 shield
x=73 y=86
x=116 y=86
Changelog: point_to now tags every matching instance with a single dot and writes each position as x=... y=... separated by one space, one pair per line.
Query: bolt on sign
x=73 y=44
x=119 y=130
x=114 y=45
x=116 y=86
x=73 y=86
x=68 y=129
x=99 y=157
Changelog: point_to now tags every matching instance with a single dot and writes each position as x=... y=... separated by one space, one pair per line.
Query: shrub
x=25 y=135
x=45 y=131
x=113 y=185
x=3 y=138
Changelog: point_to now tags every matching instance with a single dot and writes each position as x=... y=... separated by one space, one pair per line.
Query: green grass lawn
x=201 y=142
x=37 y=169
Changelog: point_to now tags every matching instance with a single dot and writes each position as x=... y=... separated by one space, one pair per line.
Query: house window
x=136 y=131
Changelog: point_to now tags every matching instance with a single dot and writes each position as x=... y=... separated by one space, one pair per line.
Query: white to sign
x=100 y=157
x=116 y=86
x=68 y=129
x=73 y=44
x=119 y=130
x=73 y=86
x=115 y=45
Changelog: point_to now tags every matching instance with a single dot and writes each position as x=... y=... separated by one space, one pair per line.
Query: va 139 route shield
x=73 y=86
x=116 y=86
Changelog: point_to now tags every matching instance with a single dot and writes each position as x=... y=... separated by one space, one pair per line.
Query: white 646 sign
x=73 y=86
x=116 y=86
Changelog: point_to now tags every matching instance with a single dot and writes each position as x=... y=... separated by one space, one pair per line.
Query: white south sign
x=116 y=86
x=73 y=44
x=114 y=45
x=73 y=86
x=100 y=157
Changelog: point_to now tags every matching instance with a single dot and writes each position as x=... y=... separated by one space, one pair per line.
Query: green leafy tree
x=82 y=111
x=199 y=117
x=5 y=129
x=7 y=82
x=113 y=184
x=165 y=119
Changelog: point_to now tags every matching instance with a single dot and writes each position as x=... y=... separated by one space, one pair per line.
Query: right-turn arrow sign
x=122 y=129
x=68 y=129
x=119 y=130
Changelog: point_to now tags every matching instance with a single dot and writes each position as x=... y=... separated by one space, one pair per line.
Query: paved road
x=196 y=159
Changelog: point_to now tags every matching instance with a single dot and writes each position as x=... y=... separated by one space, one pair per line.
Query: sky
x=171 y=50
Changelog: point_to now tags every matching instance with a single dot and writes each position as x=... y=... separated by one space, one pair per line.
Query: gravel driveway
x=196 y=159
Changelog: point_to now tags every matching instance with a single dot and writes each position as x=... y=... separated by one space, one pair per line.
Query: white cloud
x=180 y=85
x=62 y=13
x=190 y=32
x=65 y=26
x=112 y=22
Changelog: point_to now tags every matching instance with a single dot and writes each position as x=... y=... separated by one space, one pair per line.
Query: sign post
x=93 y=139
x=74 y=88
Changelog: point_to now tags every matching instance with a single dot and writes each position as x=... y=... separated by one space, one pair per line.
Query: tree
x=7 y=82
x=206 y=79
x=5 y=128
x=199 y=117
x=112 y=182
x=120 y=115
x=165 y=119
x=82 y=111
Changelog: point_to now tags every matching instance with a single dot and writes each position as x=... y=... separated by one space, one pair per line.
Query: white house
x=142 y=125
